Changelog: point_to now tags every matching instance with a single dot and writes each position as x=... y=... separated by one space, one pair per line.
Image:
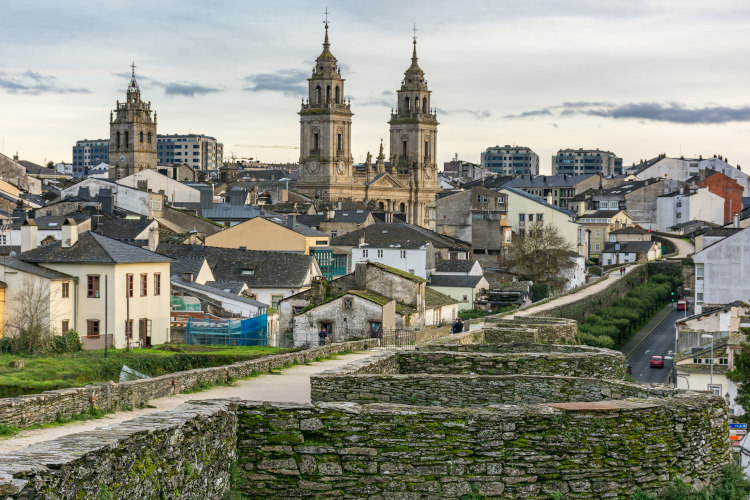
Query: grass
x=51 y=372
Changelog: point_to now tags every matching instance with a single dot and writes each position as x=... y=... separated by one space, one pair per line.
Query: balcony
x=326 y=106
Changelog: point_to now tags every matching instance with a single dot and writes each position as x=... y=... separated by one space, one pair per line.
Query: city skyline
x=524 y=74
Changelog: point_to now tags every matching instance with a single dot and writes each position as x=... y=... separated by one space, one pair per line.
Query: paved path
x=291 y=385
x=684 y=247
x=575 y=297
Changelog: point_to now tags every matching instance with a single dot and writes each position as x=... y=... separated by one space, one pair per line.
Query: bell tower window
x=424 y=105
x=118 y=140
x=404 y=152
x=328 y=94
x=149 y=137
x=427 y=149
x=408 y=105
x=315 y=142
x=339 y=143
x=141 y=137
x=317 y=95
x=337 y=95
x=127 y=141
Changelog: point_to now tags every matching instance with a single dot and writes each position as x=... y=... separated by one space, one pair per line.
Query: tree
x=740 y=375
x=541 y=253
x=50 y=164
x=30 y=314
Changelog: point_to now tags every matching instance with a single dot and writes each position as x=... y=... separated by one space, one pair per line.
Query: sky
x=638 y=77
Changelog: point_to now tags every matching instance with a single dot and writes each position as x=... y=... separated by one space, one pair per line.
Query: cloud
x=478 y=114
x=33 y=83
x=290 y=82
x=388 y=92
x=185 y=89
x=670 y=112
x=554 y=125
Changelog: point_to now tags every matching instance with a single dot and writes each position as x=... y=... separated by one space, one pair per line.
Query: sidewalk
x=575 y=297
x=641 y=335
x=291 y=385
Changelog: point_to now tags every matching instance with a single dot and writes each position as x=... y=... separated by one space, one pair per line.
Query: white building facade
x=418 y=261
x=721 y=270
x=686 y=205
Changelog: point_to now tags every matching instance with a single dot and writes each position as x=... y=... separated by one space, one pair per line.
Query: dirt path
x=292 y=384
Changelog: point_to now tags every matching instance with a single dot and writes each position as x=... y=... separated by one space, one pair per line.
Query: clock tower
x=132 y=135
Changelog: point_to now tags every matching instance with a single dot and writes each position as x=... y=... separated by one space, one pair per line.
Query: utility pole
x=106 y=316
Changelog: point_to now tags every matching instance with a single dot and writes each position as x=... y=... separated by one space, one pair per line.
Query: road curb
x=628 y=355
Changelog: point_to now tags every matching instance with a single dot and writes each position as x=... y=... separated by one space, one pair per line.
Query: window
x=539 y=217
x=404 y=151
x=699 y=271
x=157 y=284
x=92 y=327
x=500 y=199
x=149 y=137
x=723 y=361
x=315 y=140
x=403 y=254
x=275 y=299
x=699 y=297
x=65 y=291
x=596 y=248
x=427 y=149
x=365 y=253
x=521 y=217
x=603 y=204
x=708 y=361
x=715 y=389
x=479 y=198
x=679 y=204
x=679 y=215
x=129 y=329
x=348 y=303
x=340 y=143
x=597 y=233
x=380 y=254
x=485 y=200
x=697 y=361
x=141 y=137
x=144 y=285
x=118 y=140
x=465 y=298
x=411 y=271
x=93 y=287
x=129 y=285
x=248 y=272
x=321 y=242
x=334 y=233
x=65 y=325
x=127 y=138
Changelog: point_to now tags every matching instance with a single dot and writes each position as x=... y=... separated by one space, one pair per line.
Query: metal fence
x=233 y=332
x=392 y=340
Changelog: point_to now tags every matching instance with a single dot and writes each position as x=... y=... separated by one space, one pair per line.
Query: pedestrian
x=459 y=326
x=322 y=336
x=453 y=325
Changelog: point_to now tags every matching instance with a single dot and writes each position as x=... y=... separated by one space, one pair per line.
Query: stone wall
x=462 y=391
x=47 y=406
x=390 y=452
x=548 y=329
x=517 y=347
x=181 y=454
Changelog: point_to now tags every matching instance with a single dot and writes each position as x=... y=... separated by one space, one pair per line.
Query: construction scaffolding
x=231 y=332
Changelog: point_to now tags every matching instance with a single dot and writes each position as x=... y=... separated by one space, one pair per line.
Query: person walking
x=453 y=325
x=459 y=326
x=322 y=337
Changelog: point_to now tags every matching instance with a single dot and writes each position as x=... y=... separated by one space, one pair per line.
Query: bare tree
x=541 y=253
x=30 y=316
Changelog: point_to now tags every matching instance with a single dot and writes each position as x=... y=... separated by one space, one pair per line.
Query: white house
x=627 y=252
x=49 y=229
x=151 y=180
x=682 y=169
x=133 y=284
x=687 y=204
x=576 y=275
x=721 y=270
x=64 y=168
x=417 y=258
x=463 y=289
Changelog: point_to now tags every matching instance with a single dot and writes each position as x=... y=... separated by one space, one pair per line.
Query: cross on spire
x=133 y=67
x=326 y=21
x=415 y=33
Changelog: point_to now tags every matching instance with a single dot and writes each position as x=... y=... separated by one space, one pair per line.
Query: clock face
x=122 y=158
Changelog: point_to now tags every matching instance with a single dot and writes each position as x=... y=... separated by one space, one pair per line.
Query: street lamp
x=706 y=336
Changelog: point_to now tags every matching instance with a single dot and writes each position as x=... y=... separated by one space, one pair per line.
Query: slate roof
x=36 y=270
x=697 y=178
x=454 y=281
x=629 y=247
x=678 y=192
x=630 y=230
x=433 y=298
x=536 y=199
x=351 y=216
x=708 y=312
x=34 y=169
x=398 y=272
x=223 y=211
x=123 y=229
x=179 y=266
x=234 y=287
x=544 y=181
x=493 y=182
x=270 y=269
x=407 y=235
x=186 y=286
x=282 y=220
x=34 y=198
x=624 y=189
x=600 y=214
x=52 y=222
x=455 y=266
x=722 y=231
x=92 y=248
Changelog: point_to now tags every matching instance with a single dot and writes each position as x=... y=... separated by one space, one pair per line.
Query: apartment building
x=586 y=161
x=510 y=160
x=87 y=154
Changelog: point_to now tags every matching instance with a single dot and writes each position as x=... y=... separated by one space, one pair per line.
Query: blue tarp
x=237 y=332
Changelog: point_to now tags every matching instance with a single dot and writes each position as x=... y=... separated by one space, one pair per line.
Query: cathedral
x=132 y=135
x=326 y=168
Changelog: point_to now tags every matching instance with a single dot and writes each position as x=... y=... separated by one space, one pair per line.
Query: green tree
x=50 y=164
x=541 y=253
x=741 y=376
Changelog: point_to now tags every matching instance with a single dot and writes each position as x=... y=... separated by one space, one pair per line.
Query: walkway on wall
x=684 y=248
x=291 y=385
x=575 y=297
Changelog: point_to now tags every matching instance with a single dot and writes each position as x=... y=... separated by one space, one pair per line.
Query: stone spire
x=133 y=87
x=326 y=54
x=414 y=68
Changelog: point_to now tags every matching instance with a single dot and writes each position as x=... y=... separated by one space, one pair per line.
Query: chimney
x=153 y=239
x=105 y=199
x=15 y=156
x=340 y=206
x=69 y=233
x=327 y=215
x=360 y=276
x=207 y=197
x=581 y=207
x=361 y=240
x=187 y=276
x=28 y=235
x=332 y=214
x=736 y=222
x=291 y=222
x=702 y=174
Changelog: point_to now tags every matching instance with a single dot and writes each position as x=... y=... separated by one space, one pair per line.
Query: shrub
x=540 y=291
x=67 y=342
x=594 y=341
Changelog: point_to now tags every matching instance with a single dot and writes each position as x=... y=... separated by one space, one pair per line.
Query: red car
x=681 y=305
x=657 y=362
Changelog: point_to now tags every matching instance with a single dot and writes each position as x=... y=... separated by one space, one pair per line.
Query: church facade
x=132 y=135
x=407 y=184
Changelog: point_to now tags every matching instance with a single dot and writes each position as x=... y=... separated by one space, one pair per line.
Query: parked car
x=657 y=362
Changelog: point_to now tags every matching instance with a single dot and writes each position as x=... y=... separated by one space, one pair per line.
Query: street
x=659 y=343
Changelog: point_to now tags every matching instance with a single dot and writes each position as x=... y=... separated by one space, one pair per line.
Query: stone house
x=477 y=215
x=380 y=284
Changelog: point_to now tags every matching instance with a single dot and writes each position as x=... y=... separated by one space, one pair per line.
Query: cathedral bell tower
x=132 y=135
x=414 y=140
x=326 y=161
